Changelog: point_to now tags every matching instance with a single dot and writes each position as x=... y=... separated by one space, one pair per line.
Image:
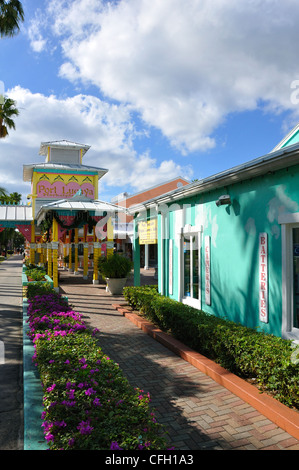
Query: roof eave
x=273 y=161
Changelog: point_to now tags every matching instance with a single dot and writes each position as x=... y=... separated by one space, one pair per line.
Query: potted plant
x=115 y=270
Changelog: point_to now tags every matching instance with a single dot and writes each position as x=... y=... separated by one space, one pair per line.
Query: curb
x=284 y=417
x=33 y=396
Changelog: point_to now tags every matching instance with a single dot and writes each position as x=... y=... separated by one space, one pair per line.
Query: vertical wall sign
x=170 y=266
x=207 y=270
x=263 y=277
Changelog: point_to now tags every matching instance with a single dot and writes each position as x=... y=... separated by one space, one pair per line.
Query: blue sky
x=157 y=88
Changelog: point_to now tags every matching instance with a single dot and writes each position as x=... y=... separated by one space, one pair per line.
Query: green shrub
x=39 y=288
x=36 y=273
x=29 y=265
x=244 y=351
x=115 y=266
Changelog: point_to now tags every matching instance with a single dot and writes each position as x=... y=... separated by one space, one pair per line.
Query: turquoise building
x=229 y=244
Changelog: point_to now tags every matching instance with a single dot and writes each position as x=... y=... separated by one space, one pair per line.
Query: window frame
x=288 y=222
x=190 y=231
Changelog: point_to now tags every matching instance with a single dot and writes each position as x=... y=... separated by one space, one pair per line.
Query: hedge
x=88 y=403
x=248 y=353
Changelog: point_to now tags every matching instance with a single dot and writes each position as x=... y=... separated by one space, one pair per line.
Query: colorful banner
x=26 y=231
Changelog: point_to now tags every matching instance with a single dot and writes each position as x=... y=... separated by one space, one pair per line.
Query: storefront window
x=296 y=277
x=191 y=266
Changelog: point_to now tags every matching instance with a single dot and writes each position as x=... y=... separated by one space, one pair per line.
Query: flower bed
x=34 y=275
x=88 y=403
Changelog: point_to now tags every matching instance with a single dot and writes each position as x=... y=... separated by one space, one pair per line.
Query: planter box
x=26 y=282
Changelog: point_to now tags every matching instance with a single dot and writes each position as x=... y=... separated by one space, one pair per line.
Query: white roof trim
x=76 y=204
x=66 y=144
x=17 y=213
x=286 y=138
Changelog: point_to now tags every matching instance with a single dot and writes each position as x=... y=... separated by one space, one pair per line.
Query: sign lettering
x=148 y=232
x=62 y=190
x=263 y=277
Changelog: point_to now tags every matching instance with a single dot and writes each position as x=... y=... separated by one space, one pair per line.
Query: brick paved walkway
x=198 y=413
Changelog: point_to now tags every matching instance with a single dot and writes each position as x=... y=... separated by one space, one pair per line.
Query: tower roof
x=62 y=144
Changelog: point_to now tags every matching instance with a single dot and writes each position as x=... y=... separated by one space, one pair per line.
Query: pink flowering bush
x=88 y=403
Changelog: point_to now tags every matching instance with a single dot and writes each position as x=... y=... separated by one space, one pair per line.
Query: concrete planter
x=26 y=283
x=115 y=286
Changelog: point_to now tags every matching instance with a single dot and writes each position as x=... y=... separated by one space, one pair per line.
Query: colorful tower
x=66 y=209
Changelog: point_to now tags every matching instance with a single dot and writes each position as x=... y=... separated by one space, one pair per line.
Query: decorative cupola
x=63 y=151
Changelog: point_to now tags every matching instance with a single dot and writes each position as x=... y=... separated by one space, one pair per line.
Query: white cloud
x=34 y=31
x=107 y=128
x=184 y=66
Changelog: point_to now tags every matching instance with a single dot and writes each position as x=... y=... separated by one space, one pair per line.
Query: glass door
x=191 y=267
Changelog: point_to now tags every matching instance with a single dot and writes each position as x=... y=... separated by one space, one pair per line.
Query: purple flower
x=84 y=427
x=97 y=402
x=71 y=394
x=49 y=437
x=61 y=424
x=114 y=446
x=49 y=389
x=71 y=442
x=47 y=426
x=69 y=385
x=68 y=403
x=90 y=391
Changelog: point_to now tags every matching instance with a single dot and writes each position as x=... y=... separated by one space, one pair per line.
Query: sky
x=157 y=88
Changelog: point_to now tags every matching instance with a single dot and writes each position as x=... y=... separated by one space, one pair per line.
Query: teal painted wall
x=234 y=230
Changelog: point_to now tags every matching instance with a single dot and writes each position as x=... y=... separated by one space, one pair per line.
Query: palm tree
x=15 y=197
x=7 y=111
x=11 y=14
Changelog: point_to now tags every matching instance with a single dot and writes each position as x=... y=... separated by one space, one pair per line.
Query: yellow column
x=76 y=251
x=49 y=256
x=85 y=262
x=70 y=252
x=85 y=255
x=55 y=265
x=70 y=258
x=66 y=247
x=55 y=252
x=44 y=252
x=64 y=254
x=109 y=245
x=41 y=257
x=96 y=246
x=32 y=244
